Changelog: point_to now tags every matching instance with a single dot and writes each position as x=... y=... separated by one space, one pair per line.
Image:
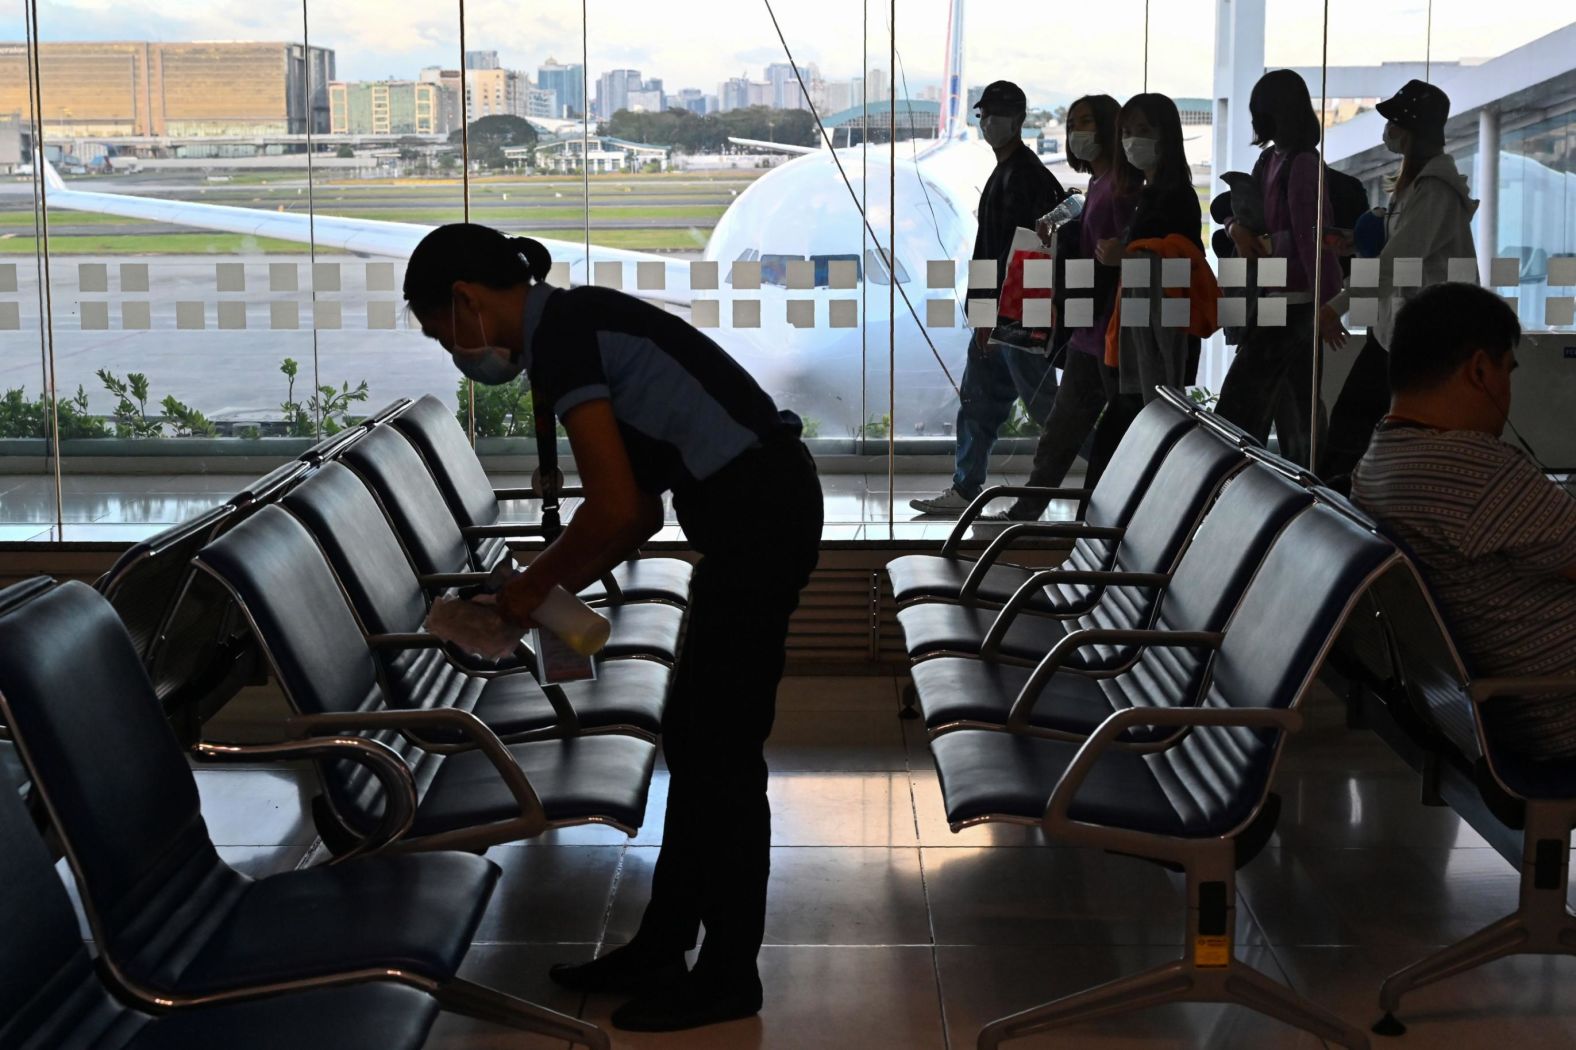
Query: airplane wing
x=779 y=147
x=361 y=236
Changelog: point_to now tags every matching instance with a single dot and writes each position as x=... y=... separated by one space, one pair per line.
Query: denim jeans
x=992 y=381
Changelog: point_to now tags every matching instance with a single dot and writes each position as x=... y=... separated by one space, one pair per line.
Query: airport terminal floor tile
x=887 y=931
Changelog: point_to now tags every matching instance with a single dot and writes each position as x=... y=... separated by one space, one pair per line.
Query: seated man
x=1495 y=538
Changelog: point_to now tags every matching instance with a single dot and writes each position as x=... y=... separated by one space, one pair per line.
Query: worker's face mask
x=1394 y=138
x=996 y=130
x=487 y=364
x=1085 y=145
x=1142 y=153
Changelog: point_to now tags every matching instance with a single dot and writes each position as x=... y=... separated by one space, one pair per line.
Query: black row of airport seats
x=360 y=952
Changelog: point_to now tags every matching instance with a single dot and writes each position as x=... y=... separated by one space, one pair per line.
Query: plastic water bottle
x=579 y=625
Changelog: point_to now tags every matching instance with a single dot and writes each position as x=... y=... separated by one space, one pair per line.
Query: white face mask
x=489 y=365
x=1085 y=145
x=997 y=131
x=1394 y=138
x=1142 y=153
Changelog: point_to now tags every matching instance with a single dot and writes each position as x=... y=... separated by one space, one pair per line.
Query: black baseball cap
x=1003 y=96
x=1419 y=107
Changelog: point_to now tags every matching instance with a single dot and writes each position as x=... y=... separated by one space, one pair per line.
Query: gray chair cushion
x=625 y=693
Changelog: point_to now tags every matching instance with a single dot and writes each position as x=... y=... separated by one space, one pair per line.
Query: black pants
x=757 y=526
x=1120 y=411
x=1363 y=401
x=1079 y=399
x=1252 y=391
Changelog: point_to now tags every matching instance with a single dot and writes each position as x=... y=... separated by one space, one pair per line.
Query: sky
x=1056 y=49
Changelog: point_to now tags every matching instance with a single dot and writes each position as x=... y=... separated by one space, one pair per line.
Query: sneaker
x=627 y=970
x=950 y=503
x=691 y=1003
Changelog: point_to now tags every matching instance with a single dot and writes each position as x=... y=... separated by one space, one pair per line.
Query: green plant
x=333 y=406
x=812 y=427
x=501 y=411
x=187 y=421
x=1202 y=396
x=249 y=434
x=877 y=428
x=22 y=418
x=1020 y=423
x=131 y=408
x=298 y=421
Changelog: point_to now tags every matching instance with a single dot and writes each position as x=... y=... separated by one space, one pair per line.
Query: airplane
x=801 y=211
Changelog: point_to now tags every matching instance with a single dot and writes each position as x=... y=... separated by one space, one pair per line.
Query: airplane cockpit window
x=875 y=265
x=774 y=267
x=748 y=255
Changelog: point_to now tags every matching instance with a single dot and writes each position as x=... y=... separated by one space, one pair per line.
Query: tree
x=344 y=152
x=687 y=132
x=490 y=136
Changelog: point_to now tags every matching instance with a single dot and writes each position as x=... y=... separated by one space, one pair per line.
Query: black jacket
x=1018 y=192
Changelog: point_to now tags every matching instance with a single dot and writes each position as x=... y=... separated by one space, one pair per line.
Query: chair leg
x=1494 y=941
x=1153 y=987
x=1248 y=987
x=487 y=1004
x=909 y=708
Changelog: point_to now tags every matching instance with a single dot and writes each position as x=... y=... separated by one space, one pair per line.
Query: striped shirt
x=684 y=408
x=1494 y=537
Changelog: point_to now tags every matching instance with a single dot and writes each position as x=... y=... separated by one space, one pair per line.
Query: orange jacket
x=1202 y=289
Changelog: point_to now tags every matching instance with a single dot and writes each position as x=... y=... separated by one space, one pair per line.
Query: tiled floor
x=886 y=931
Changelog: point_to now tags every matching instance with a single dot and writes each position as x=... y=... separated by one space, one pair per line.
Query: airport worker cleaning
x=652 y=406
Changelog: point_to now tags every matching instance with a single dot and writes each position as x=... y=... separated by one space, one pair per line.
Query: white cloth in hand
x=473 y=627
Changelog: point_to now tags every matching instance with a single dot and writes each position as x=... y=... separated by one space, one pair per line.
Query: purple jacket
x=1292 y=215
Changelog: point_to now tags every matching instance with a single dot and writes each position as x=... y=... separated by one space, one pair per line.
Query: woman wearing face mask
x=1167 y=220
x=1429 y=218
x=1269 y=355
x=1094 y=147
x=651 y=405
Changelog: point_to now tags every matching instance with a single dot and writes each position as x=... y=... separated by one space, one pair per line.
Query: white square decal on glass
x=93 y=277
x=7 y=277
x=843 y=313
x=1363 y=312
x=380 y=277
x=1407 y=273
x=982 y=312
x=95 y=316
x=232 y=315
x=982 y=274
x=1176 y=312
x=190 y=316
x=136 y=315
x=1037 y=313
x=1514 y=302
x=1272 y=312
x=1039 y=273
x=746 y=313
x=1272 y=273
x=284 y=315
x=1134 y=313
x=558 y=275
x=328 y=314
x=1365 y=273
x=801 y=275
x=746 y=275
x=380 y=316
x=325 y=277
x=1562 y=273
x=133 y=277
x=706 y=313
x=1079 y=313
x=609 y=275
x=801 y=313
x=1559 y=311
x=10 y=317
x=651 y=276
x=1233 y=311
x=940 y=273
x=940 y=313
x=1080 y=273
x=1462 y=271
x=1135 y=272
x=284 y=277
x=703 y=276
x=1505 y=272
x=842 y=273
x=1233 y=273
x=231 y=277
x=1176 y=273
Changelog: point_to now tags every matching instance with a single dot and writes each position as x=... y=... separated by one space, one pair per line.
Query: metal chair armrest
x=1029 y=695
x=567 y=720
x=995 y=492
x=993 y=551
x=411 y=640
x=474 y=728
x=1026 y=591
x=399 y=785
x=442 y=581
x=504 y=529
x=527 y=493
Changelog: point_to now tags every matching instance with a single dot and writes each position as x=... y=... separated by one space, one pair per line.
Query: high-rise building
x=495 y=92
x=695 y=100
x=733 y=93
x=645 y=101
x=541 y=102
x=481 y=60
x=384 y=107
x=568 y=82
x=613 y=88
x=785 y=90
x=185 y=90
x=450 y=84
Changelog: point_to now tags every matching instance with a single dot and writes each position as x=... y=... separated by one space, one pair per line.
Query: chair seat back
x=437 y=435
x=410 y=497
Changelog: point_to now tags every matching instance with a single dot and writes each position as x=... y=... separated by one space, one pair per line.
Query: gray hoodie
x=1431 y=220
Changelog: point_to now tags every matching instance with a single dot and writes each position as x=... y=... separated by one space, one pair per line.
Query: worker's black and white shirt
x=685 y=409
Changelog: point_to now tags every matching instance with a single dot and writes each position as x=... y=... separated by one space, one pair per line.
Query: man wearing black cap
x=1429 y=218
x=1018 y=192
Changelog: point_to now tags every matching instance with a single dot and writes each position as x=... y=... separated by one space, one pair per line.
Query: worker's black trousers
x=757 y=527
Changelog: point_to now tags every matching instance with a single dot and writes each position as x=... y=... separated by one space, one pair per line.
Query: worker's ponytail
x=465 y=251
